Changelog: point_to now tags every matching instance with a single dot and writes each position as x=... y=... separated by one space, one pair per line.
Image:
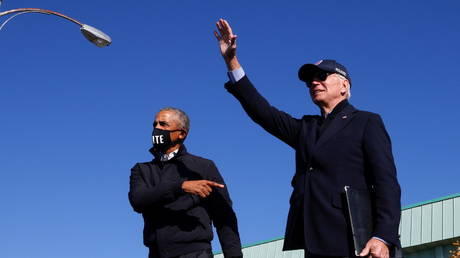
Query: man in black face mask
x=180 y=195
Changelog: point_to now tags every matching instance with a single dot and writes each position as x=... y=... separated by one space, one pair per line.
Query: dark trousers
x=198 y=254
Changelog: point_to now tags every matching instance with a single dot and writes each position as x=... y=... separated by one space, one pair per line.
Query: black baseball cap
x=307 y=71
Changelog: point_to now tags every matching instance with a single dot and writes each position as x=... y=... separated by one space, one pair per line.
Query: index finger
x=227 y=27
x=211 y=183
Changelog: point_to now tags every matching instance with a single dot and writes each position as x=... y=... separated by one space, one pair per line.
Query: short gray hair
x=181 y=117
x=342 y=78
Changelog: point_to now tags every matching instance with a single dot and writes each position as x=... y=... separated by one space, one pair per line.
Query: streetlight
x=94 y=35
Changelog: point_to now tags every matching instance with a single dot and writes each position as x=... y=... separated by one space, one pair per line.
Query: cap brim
x=307 y=71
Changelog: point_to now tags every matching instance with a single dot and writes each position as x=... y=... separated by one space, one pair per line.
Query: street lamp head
x=96 y=36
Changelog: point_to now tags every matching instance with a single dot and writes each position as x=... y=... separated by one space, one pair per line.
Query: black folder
x=360 y=211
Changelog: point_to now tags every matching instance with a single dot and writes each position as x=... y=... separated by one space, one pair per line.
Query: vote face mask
x=161 y=139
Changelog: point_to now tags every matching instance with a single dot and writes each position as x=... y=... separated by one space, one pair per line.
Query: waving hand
x=227 y=43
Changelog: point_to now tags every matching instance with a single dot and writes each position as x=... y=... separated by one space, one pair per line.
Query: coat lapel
x=307 y=138
x=339 y=122
x=311 y=137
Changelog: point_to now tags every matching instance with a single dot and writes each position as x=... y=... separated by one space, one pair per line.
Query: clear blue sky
x=76 y=118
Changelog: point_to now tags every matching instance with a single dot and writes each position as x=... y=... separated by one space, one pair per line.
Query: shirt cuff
x=385 y=242
x=236 y=75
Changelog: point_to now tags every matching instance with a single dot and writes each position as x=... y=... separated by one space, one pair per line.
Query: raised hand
x=203 y=188
x=227 y=43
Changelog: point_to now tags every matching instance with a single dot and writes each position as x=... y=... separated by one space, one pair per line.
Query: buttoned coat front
x=354 y=150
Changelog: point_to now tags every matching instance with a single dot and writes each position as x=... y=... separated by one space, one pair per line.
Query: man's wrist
x=232 y=63
x=378 y=238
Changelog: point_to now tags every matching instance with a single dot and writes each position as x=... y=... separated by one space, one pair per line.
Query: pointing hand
x=203 y=188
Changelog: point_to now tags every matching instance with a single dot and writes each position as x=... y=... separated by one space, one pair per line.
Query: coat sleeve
x=223 y=216
x=274 y=121
x=143 y=196
x=183 y=203
x=379 y=159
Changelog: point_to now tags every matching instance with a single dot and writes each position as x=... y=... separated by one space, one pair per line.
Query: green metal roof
x=431 y=201
x=430 y=221
x=263 y=242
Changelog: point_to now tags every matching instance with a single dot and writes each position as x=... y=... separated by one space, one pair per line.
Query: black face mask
x=161 y=139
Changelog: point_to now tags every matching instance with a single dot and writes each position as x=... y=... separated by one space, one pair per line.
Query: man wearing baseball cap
x=343 y=146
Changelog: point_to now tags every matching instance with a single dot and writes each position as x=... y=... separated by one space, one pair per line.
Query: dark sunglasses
x=318 y=76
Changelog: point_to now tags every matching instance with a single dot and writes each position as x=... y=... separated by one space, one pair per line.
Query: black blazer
x=354 y=150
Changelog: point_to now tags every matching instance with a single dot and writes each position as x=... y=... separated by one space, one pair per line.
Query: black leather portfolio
x=360 y=211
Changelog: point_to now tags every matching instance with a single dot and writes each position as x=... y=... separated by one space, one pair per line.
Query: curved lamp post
x=94 y=35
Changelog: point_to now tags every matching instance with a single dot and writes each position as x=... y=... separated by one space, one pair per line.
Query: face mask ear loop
x=180 y=140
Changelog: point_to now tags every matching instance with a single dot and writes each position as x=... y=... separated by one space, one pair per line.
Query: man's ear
x=182 y=134
x=345 y=86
